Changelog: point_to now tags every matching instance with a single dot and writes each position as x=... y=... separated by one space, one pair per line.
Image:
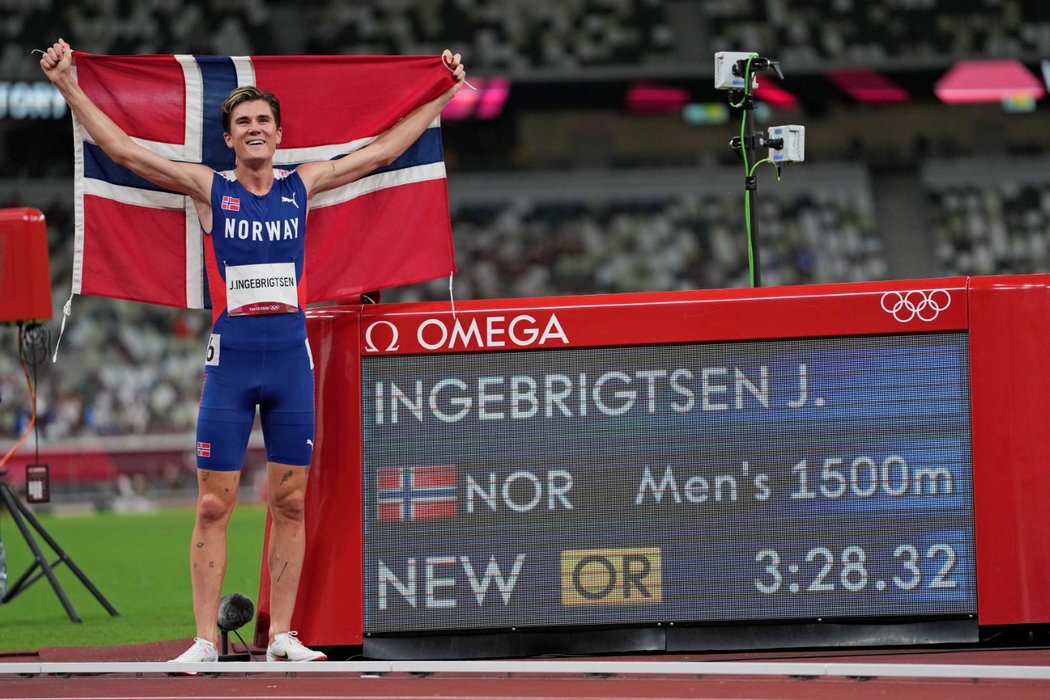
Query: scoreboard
x=752 y=480
x=801 y=457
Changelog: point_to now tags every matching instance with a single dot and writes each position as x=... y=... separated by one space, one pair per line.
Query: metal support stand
x=224 y=649
x=20 y=513
x=750 y=188
x=748 y=150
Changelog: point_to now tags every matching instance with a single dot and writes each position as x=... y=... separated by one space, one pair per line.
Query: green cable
x=747 y=85
x=747 y=170
x=765 y=160
x=747 y=218
x=743 y=116
x=750 y=242
x=743 y=144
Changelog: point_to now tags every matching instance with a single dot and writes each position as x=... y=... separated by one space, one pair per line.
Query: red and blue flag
x=137 y=241
x=405 y=494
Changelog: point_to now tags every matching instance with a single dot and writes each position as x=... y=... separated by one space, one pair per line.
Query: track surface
x=482 y=681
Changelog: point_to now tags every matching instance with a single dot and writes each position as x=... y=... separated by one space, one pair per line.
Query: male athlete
x=258 y=354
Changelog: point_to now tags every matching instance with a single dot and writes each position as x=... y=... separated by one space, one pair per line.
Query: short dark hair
x=249 y=93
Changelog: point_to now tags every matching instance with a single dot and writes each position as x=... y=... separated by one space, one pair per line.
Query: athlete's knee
x=213 y=509
x=289 y=504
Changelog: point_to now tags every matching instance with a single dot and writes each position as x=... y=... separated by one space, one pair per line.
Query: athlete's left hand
x=459 y=72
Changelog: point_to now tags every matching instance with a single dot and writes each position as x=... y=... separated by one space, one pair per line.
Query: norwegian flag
x=416 y=493
x=230 y=203
x=204 y=449
x=136 y=241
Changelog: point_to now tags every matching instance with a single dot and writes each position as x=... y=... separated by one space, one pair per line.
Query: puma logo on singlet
x=290 y=199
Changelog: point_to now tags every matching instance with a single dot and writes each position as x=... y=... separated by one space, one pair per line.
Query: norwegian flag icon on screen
x=406 y=494
x=231 y=203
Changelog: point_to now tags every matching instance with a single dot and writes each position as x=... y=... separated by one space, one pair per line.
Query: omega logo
x=370 y=345
x=522 y=330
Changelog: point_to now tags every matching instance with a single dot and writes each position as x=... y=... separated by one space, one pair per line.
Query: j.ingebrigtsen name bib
x=266 y=288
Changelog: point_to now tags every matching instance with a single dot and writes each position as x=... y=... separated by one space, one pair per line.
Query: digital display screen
x=709 y=482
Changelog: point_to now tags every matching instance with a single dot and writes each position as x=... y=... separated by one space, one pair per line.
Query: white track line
x=612 y=668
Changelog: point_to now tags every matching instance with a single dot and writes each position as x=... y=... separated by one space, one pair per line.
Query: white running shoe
x=202 y=651
x=287 y=647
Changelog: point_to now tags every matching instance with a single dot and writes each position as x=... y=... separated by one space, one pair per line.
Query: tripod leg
x=17 y=510
x=63 y=556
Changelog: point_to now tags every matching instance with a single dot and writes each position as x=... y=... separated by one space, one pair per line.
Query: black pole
x=750 y=188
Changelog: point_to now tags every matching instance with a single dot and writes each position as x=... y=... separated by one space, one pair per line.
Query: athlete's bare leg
x=286 y=493
x=216 y=497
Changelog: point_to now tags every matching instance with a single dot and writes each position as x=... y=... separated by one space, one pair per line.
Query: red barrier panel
x=462 y=486
x=328 y=610
x=1010 y=371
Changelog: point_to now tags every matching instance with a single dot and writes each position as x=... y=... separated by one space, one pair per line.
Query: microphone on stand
x=235 y=611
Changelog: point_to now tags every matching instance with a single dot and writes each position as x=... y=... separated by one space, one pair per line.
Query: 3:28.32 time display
x=854 y=569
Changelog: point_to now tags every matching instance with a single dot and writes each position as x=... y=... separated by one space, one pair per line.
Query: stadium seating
x=990 y=216
x=808 y=34
x=675 y=237
x=544 y=35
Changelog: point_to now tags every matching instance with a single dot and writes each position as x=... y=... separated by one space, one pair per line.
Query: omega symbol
x=370 y=345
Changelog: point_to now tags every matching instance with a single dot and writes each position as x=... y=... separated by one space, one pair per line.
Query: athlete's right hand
x=57 y=61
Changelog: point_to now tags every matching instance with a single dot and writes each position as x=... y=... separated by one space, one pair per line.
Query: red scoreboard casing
x=25 y=277
x=1001 y=322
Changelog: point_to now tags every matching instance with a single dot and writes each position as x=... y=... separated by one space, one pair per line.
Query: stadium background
x=581 y=180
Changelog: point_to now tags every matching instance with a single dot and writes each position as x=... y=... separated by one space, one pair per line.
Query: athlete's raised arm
x=186 y=178
x=328 y=175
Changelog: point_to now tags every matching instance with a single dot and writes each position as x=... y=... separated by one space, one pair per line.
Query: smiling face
x=253 y=132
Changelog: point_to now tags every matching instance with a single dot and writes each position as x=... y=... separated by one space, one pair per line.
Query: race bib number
x=212 y=356
x=266 y=288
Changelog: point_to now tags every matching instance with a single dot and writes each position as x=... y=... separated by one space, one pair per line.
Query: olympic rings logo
x=924 y=305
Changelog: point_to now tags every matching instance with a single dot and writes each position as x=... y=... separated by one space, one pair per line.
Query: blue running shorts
x=280 y=382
